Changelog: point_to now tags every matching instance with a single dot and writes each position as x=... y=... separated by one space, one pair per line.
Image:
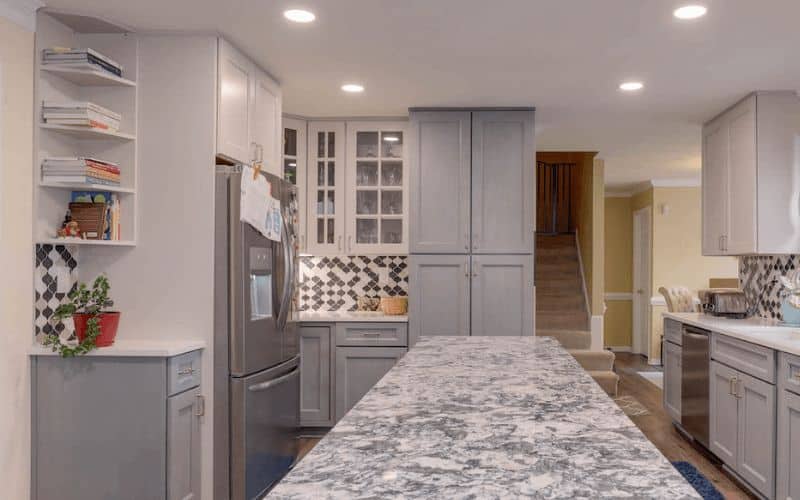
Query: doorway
x=554 y=211
x=642 y=255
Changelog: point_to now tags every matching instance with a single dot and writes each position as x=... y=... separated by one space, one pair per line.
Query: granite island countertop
x=485 y=417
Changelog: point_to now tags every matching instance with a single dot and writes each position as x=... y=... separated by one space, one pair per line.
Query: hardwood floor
x=658 y=427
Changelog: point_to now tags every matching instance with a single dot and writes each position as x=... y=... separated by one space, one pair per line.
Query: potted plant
x=95 y=325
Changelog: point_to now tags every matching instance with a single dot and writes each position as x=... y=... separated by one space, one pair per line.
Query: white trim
x=642 y=272
x=21 y=12
x=659 y=300
x=618 y=194
x=618 y=348
x=618 y=295
x=653 y=361
x=684 y=182
x=596 y=323
x=583 y=276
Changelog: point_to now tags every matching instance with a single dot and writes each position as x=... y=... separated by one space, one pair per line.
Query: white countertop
x=134 y=348
x=342 y=316
x=764 y=332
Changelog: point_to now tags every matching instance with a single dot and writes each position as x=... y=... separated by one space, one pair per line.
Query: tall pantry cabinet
x=472 y=222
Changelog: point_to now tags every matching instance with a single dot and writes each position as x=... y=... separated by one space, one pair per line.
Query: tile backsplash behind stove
x=757 y=273
x=335 y=283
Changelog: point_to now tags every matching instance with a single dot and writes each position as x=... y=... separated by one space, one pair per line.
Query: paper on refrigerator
x=258 y=207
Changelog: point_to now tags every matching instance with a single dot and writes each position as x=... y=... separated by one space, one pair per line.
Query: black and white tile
x=335 y=283
x=49 y=258
x=758 y=276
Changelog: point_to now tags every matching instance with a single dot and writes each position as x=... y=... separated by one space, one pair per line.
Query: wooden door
x=316 y=375
x=265 y=121
x=440 y=164
x=439 y=296
x=325 y=193
x=502 y=295
x=756 y=457
x=788 y=469
x=715 y=186
x=723 y=413
x=672 y=380
x=234 y=88
x=503 y=182
x=740 y=235
x=358 y=369
x=183 y=446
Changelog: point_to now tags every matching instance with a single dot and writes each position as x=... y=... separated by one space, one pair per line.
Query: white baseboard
x=596 y=323
x=653 y=361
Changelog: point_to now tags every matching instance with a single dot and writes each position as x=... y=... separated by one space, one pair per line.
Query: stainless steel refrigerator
x=256 y=345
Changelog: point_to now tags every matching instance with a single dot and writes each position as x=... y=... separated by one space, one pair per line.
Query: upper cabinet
x=295 y=169
x=325 y=215
x=376 y=197
x=473 y=184
x=751 y=174
x=249 y=111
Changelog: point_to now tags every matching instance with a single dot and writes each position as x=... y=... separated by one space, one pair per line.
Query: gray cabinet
x=502 y=295
x=439 y=298
x=358 y=369
x=316 y=375
x=503 y=182
x=788 y=473
x=132 y=421
x=742 y=431
x=672 y=380
x=183 y=445
x=440 y=181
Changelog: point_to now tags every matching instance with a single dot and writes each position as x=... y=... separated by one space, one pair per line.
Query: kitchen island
x=487 y=417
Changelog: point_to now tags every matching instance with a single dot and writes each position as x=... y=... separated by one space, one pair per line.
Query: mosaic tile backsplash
x=49 y=258
x=759 y=273
x=335 y=283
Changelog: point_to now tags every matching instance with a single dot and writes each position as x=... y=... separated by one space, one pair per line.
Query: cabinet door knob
x=201 y=406
x=732 y=386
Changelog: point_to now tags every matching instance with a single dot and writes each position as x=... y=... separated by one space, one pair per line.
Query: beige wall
x=617 y=329
x=16 y=253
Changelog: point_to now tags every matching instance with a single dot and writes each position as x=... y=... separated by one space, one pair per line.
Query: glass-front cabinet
x=294 y=168
x=326 y=178
x=376 y=188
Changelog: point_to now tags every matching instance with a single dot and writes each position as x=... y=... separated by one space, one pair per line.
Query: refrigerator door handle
x=263 y=386
x=288 y=262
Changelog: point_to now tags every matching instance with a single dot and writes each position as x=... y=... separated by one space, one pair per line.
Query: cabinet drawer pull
x=186 y=371
x=371 y=334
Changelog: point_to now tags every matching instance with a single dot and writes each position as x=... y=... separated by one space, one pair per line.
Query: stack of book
x=69 y=170
x=97 y=214
x=80 y=59
x=83 y=114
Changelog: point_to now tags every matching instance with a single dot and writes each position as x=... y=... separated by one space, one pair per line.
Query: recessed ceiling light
x=353 y=88
x=690 y=12
x=631 y=86
x=293 y=164
x=391 y=138
x=299 y=15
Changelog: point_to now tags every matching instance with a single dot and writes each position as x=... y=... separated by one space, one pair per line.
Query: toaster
x=725 y=302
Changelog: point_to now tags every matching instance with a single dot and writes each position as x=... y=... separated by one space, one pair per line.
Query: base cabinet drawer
x=372 y=334
x=316 y=375
x=673 y=331
x=358 y=369
x=752 y=359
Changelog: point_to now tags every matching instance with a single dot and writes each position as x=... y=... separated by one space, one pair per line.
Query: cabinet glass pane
x=331 y=144
x=320 y=173
x=392 y=144
x=331 y=173
x=392 y=231
x=367 y=144
x=321 y=202
x=367 y=231
x=331 y=203
x=391 y=202
x=290 y=142
x=320 y=230
x=367 y=173
x=392 y=173
x=366 y=202
x=320 y=144
x=290 y=170
x=330 y=231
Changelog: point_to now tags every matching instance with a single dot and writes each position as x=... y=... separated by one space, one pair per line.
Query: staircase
x=561 y=307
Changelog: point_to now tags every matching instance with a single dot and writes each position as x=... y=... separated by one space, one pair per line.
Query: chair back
x=678 y=298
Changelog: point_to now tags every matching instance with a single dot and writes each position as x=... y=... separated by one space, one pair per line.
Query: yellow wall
x=617 y=329
x=16 y=252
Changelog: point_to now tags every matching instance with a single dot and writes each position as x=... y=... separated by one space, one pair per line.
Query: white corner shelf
x=88 y=76
x=86 y=132
x=77 y=241
x=77 y=186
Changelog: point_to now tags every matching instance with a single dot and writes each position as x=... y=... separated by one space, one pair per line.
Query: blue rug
x=698 y=481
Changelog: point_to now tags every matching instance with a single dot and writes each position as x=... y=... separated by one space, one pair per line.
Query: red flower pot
x=107 y=322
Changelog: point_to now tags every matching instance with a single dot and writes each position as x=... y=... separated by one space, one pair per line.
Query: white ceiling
x=566 y=57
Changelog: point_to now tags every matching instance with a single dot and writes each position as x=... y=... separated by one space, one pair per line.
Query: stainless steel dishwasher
x=695 y=361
